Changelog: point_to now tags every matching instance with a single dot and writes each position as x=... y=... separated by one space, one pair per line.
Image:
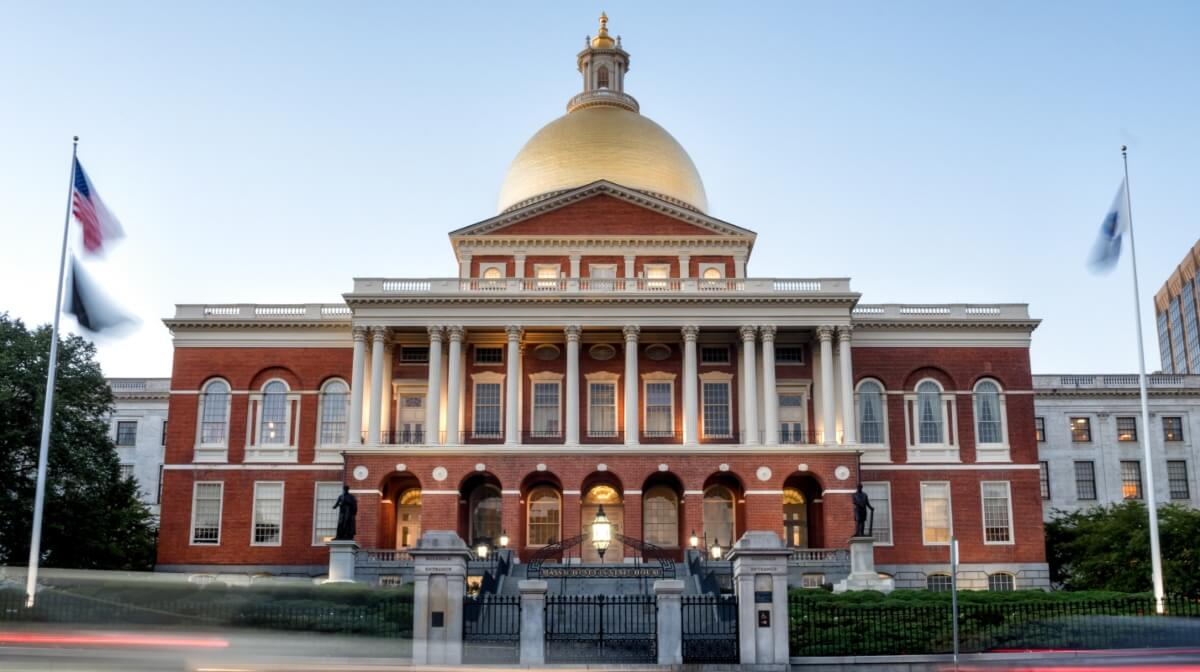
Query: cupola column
x=632 y=435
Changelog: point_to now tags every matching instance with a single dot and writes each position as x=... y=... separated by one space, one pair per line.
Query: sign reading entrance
x=614 y=572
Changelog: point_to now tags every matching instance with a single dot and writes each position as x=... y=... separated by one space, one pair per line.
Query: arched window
x=335 y=410
x=485 y=515
x=544 y=515
x=1000 y=582
x=660 y=516
x=273 y=429
x=492 y=273
x=929 y=413
x=870 y=412
x=602 y=77
x=938 y=583
x=712 y=273
x=988 y=425
x=718 y=516
x=795 y=518
x=214 y=415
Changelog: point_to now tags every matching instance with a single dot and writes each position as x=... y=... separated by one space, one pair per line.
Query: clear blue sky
x=933 y=152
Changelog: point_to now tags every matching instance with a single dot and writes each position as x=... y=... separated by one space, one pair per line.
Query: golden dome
x=602 y=143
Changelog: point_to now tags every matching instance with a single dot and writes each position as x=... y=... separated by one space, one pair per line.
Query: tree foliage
x=93 y=518
x=1108 y=548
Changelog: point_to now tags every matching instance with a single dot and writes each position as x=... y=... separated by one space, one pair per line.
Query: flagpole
x=39 y=500
x=1155 y=552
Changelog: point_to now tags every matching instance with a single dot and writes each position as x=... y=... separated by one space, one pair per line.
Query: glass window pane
x=997 y=525
x=929 y=410
x=660 y=517
x=1127 y=429
x=487 y=410
x=935 y=507
x=602 y=410
x=659 y=420
x=268 y=512
x=870 y=413
x=987 y=413
x=325 y=516
x=1085 y=480
x=206 y=513
x=716 y=410
x=212 y=423
x=880 y=497
x=545 y=410
x=335 y=411
x=718 y=516
x=543 y=516
x=274 y=415
x=1131 y=479
x=1177 y=479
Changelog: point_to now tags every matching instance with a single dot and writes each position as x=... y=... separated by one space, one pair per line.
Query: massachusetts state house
x=604 y=343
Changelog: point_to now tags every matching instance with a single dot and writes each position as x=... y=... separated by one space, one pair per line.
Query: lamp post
x=601 y=533
x=482 y=551
x=716 y=550
x=503 y=539
x=694 y=540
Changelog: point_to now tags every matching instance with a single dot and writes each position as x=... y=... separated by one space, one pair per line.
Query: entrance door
x=410 y=419
x=795 y=518
x=614 y=510
x=408 y=519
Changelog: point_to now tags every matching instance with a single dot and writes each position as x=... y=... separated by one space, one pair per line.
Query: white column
x=829 y=417
x=385 y=411
x=574 y=258
x=512 y=429
x=433 y=391
x=519 y=265
x=378 y=337
x=739 y=266
x=630 y=283
x=464 y=265
x=685 y=261
x=631 y=384
x=357 y=375
x=770 y=394
x=849 y=422
x=691 y=424
x=454 y=384
x=572 y=395
x=749 y=334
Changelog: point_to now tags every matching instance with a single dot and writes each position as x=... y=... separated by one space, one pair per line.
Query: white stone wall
x=142 y=400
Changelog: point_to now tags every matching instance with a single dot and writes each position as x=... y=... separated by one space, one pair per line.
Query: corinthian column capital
x=435 y=333
x=378 y=334
x=844 y=332
x=768 y=333
x=690 y=333
x=631 y=332
x=456 y=333
x=513 y=332
x=573 y=332
x=359 y=333
x=824 y=334
x=748 y=332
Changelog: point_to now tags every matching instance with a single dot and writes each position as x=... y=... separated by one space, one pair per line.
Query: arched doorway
x=608 y=496
x=481 y=522
x=400 y=511
x=408 y=518
x=801 y=512
x=662 y=514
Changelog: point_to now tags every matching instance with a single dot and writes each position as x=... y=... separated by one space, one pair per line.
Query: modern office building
x=1175 y=309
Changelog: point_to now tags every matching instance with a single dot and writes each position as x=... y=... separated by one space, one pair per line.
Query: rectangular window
x=716 y=410
x=714 y=354
x=812 y=580
x=1044 y=474
x=1039 y=426
x=1172 y=428
x=1131 y=479
x=126 y=432
x=158 y=495
x=487 y=410
x=791 y=418
x=268 y=513
x=997 y=512
x=602 y=410
x=206 y=513
x=1081 y=430
x=412 y=354
x=880 y=495
x=125 y=471
x=1177 y=479
x=660 y=421
x=545 y=410
x=547 y=275
x=789 y=354
x=1085 y=480
x=935 y=513
x=324 y=515
x=1126 y=428
x=164 y=433
x=489 y=355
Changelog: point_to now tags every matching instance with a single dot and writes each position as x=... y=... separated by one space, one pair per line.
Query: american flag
x=99 y=225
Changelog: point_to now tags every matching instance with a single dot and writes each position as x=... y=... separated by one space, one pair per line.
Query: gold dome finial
x=603 y=41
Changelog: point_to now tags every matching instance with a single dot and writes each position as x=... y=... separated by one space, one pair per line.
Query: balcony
x=599 y=286
x=1118 y=381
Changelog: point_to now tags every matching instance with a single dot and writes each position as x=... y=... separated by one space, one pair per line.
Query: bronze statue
x=861 y=504
x=348 y=506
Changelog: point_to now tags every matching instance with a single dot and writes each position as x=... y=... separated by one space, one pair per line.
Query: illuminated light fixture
x=694 y=540
x=601 y=532
x=503 y=539
x=716 y=551
x=482 y=551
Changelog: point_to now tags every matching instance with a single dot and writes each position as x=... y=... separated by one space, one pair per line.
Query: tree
x=93 y=518
x=1108 y=548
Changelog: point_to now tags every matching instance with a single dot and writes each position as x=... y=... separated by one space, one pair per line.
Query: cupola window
x=602 y=77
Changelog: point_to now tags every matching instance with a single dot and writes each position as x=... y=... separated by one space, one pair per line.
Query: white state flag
x=1107 y=250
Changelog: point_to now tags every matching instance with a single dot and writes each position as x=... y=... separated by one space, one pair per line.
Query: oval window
x=658 y=351
x=602 y=352
x=546 y=352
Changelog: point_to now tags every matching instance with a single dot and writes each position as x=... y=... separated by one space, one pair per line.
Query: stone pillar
x=341 y=561
x=439 y=582
x=357 y=375
x=750 y=386
x=378 y=338
x=685 y=264
x=629 y=274
x=533 y=621
x=454 y=385
x=572 y=395
x=770 y=393
x=574 y=259
x=760 y=581
x=433 y=392
x=631 y=384
x=512 y=428
x=519 y=265
x=669 y=593
x=829 y=417
x=849 y=421
x=464 y=266
x=739 y=265
x=691 y=423
x=862 y=569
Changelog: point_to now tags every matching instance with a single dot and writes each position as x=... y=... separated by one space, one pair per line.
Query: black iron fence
x=822 y=629
x=492 y=629
x=710 y=629
x=599 y=628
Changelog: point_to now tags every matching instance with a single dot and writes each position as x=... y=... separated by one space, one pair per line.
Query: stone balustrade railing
x=459 y=286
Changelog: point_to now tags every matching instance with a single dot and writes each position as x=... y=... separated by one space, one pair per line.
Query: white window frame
x=793 y=389
x=213 y=451
x=657 y=378
x=117 y=432
x=873 y=452
x=603 y=378
x=288 y=451
x=983 y=512
x=321 y=414
x=949 y=514
x=947 y=450
x=545 y=378
x=254 y=513
x=645 y=509
x=714 y=346
x=529 y=505
x=486 y=346
x=499 y=266
x=716 y=377
x=886 y=485
x=414 y=349
x=783 y=362
x=486 y=378
x=991 y=452
x=220 y=512
x=337 y=488
x=1012 y=578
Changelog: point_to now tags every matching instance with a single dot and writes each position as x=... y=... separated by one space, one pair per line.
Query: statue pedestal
x=341 y=561
x=862 y=569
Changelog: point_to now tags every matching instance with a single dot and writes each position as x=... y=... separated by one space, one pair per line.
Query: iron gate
x=599 y=628
x=492 y=629
x=710 y=629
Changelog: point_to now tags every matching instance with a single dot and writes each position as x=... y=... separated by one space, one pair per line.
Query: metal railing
x=591 y=628
x=491 y=629
x=710 y=629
